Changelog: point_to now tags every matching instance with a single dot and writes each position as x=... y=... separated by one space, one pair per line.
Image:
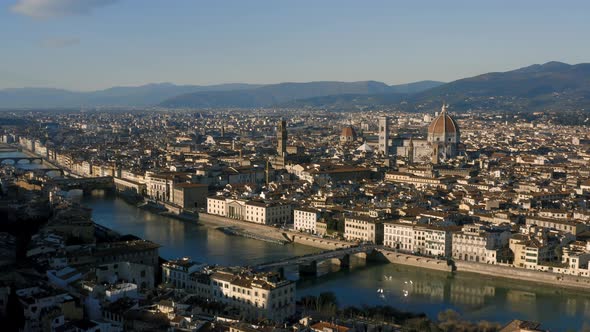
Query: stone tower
x=384 y=135
x=282 y=138
x=411 y=151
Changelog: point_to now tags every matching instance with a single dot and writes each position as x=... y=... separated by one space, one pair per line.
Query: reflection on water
x=182 y=238
x=26 y=164
x=475 y=297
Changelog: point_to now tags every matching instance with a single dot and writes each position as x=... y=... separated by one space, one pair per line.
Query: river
x=182 y=238
x=475 y=297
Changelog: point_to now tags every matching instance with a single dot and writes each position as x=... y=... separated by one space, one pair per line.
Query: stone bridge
x=85 y=184
x=17 y=160
x=44 y=171
x=307 y=265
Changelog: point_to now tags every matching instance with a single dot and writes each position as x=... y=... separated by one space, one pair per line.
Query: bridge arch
x=21 y=160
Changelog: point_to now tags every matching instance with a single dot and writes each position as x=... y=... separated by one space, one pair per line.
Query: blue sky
x=93 y=44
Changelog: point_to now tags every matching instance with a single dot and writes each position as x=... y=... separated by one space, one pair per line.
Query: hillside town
x=452 y=192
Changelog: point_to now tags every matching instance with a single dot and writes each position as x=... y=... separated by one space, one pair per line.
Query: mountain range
x=551 y=86
x=144 y=95
x=276 y=94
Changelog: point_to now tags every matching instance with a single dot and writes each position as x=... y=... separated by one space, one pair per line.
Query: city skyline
x=85 y=46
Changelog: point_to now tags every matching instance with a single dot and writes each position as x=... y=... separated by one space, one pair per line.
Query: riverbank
x=514 y=273
x=499 y=271
x=235 y=231
x=261 y=230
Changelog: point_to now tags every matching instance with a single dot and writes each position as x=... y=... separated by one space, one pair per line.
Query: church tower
x=282 y=138
x=411 y=151
x=267 y=172
x=384 y=135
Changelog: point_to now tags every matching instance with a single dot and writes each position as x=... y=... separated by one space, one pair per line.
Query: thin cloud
x=60 y=42
x=57 y=8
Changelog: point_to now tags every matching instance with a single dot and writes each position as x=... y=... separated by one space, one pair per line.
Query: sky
x=94 y=44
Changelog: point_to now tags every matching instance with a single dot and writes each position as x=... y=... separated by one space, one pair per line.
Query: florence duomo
x=442 y=141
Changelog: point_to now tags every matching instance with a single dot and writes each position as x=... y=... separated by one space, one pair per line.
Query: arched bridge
x=17 y=160
x=308 y=264
x=44 y=171
x=85 y=184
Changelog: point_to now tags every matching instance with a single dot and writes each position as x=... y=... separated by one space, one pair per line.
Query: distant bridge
x=308 y=264
x=85 y=184
x=43 y=171
x=17 y=160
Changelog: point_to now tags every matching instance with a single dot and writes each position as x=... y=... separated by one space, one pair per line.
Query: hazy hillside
x=553 y=86
x=145 y=95
x=550 y=86
x=274 y=94
x=394 y=95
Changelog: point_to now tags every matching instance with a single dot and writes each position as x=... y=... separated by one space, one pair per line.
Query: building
x=384 y=136
x=282 y=138
x=268 y=213
x=159 y=186
x=190 y=196
x=260 y=212
x=363 y=229
x=442 y=141
x=419 y=181
x=347 y=135
x=563 y=225
x=264 y=295
x=478 y=243
x=216 y=205
x=305 y=219
x=430 y=240
x=399 y=235
x=540 y=246
x=135 y=251
x=444 y=136
x=177 y=272
x=324 y=173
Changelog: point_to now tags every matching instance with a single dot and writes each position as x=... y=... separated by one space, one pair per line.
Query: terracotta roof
x=443 y=124
x=348 y=132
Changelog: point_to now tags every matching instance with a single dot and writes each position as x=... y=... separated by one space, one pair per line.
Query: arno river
x=475 y=297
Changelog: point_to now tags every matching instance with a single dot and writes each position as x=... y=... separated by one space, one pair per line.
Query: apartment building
x=305 y=219
x=260 y=212
x=363 y=229
x=425 y=239
x=478 y=243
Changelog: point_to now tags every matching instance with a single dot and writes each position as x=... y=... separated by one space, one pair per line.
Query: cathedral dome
x=348 y=134
x=348 y=131
x=444 y=128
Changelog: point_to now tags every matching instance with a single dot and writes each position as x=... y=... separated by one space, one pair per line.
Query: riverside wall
x=555 y=279
x=411 y=260
x=259 y=229
x=317 y=242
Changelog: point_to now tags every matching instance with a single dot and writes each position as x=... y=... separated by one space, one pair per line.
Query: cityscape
x=453 y=203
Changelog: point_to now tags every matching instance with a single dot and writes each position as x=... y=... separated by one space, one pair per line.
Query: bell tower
x=282 y=138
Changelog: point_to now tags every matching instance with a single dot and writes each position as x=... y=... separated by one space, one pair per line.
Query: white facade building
x=478 y=243
x=267 y=213
x=177 y=272
x=419 y=238
x=305 y=219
